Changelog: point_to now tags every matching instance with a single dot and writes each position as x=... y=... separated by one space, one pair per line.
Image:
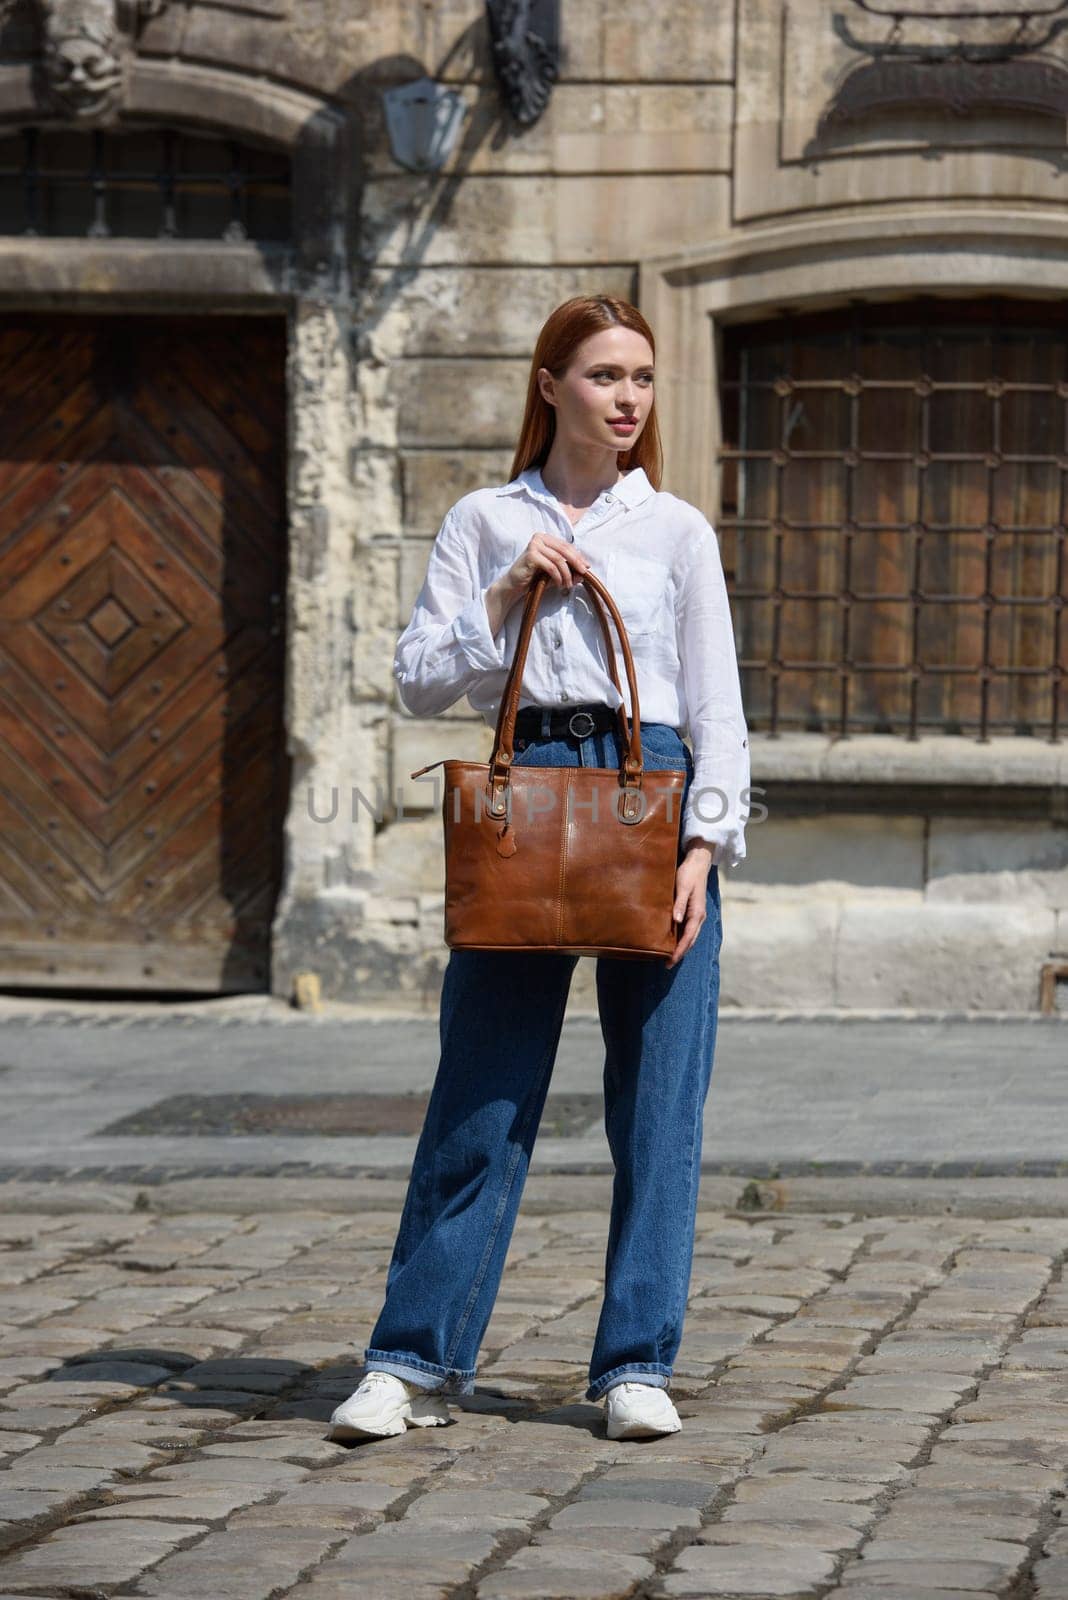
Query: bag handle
x=503 y=752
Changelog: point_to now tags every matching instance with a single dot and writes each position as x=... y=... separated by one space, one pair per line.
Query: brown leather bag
x=578 y=859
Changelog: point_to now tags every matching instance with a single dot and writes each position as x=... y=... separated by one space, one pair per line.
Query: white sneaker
x=384 y=1405
x=639 y=1411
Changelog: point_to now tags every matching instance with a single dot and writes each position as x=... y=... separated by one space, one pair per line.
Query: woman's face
x=608 y=384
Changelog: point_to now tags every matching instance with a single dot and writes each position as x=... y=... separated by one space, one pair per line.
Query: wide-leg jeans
x=501 y=1017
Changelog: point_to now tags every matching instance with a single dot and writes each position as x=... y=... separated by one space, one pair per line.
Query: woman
x=584 y=495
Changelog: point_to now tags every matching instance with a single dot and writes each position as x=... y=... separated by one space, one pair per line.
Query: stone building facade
x=847 y=230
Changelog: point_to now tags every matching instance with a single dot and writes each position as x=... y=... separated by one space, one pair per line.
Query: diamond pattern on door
x=143 y=773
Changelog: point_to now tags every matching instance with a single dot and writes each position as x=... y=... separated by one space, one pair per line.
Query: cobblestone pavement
x=874 y=1407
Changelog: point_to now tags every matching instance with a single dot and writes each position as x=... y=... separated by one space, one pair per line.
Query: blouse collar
x=631 y=490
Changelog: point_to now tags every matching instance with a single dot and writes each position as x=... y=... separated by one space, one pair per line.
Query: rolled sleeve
x=472 y=636
x=447 y=647
x=717 y=806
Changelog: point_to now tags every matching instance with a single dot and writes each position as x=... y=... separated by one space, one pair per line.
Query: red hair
x=561 y=334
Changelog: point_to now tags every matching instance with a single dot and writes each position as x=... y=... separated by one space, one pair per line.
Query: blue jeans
x=501 y=1017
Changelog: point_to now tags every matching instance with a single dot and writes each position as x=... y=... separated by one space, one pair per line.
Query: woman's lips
x=624 y=426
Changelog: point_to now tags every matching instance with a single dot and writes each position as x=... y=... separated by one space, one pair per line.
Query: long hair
x=561 y=334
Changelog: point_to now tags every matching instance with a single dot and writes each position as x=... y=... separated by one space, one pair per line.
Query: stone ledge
x=905 y=225
x=874 y=758
x=884 y=758
x=891 y=953
x=145 y=271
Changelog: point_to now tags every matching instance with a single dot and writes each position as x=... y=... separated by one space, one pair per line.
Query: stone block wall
x=455 y=272
x=689 y=165
x=702 y=145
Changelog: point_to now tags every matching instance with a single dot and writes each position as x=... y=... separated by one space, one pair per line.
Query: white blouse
x=658 y=557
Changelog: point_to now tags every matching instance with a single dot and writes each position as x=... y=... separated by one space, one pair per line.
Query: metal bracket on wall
x=525 y=36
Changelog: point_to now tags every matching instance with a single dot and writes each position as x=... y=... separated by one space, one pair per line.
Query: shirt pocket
x=640 y=588
x=643 y=590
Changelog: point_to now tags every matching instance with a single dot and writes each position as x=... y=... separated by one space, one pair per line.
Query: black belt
x=579 y=721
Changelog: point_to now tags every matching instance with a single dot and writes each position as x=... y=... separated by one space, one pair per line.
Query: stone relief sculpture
x=526 y=54
x=85 y=44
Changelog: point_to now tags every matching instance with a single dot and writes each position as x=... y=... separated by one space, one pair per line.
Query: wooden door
x=143 y=775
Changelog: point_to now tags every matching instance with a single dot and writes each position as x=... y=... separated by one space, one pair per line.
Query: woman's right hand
x=546 y=552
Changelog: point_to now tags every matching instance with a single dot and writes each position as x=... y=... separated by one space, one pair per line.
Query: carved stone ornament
x=85 y=48
x=986 y=56
x=526 y=53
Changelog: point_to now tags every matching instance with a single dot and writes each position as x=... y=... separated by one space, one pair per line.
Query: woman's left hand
x=691 y=887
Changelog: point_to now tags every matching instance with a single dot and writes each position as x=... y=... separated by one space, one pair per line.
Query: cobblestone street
x=874 y=1406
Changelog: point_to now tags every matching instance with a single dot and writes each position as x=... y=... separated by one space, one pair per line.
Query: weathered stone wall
x=660 y=148
x=454 y=274
x=694 y=165
x=651 y=160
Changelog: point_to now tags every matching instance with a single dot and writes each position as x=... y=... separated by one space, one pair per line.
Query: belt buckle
x=585 y=733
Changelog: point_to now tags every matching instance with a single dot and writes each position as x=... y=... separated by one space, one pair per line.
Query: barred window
x=893 y=516
x=149 y=183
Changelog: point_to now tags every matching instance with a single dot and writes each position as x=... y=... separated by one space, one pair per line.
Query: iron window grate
x=164 y=183
x=894 y=517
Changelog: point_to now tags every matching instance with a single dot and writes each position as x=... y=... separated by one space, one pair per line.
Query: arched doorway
x=165 y=280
